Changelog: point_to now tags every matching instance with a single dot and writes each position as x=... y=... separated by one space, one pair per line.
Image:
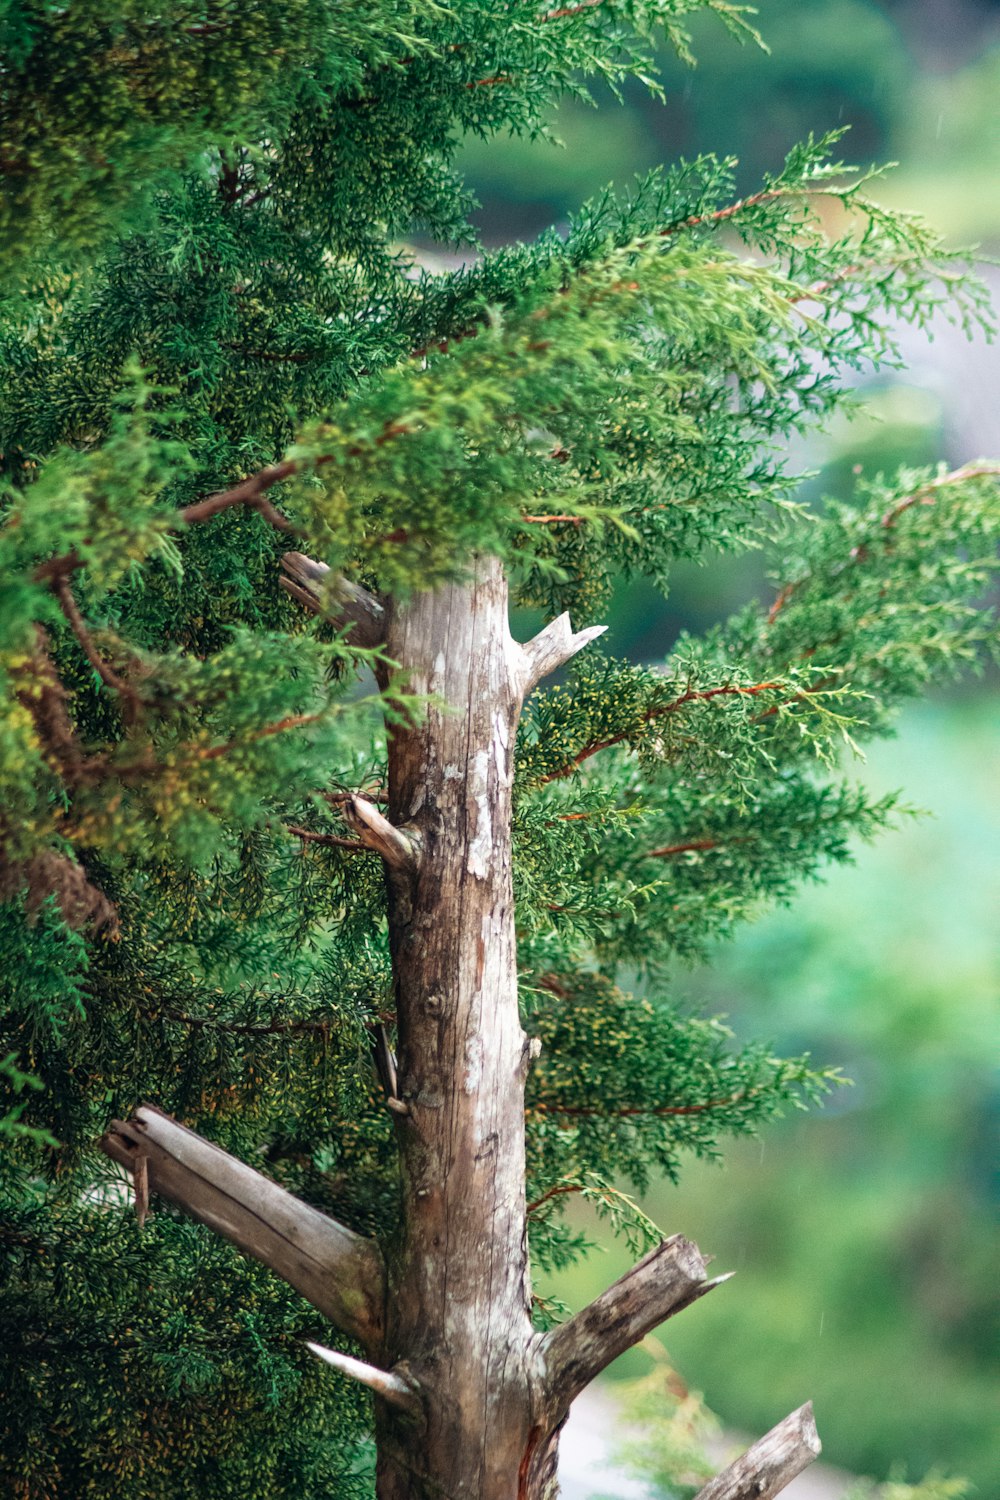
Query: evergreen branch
x=569 y=10
x=45 y=701
x=486 y=83
x=273 y=356
x=552 y=520
x=234 y=1028
x=631 y=1111
x=250 y=492
x=291 y=721
x=554 y=1192
x=924 y=494
x=694 y=844
x=130 y=699
x=693 y=695
x=816 y=290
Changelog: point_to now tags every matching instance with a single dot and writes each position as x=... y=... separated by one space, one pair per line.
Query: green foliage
x=153 y=1362
x=671 y=1431
x=634 y=1085
x=868 y=1230
x=216 y=285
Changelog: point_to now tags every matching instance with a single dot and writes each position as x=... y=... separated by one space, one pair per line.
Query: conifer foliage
x=281 y=797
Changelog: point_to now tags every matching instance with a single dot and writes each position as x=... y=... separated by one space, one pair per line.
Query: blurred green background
x=864 y=1235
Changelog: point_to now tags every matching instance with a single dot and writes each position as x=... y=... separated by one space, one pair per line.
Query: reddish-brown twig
x=129 y=698
x=693 y=695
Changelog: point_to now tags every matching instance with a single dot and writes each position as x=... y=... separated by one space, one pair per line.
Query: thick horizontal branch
x=552 y=647
x=339 y=1272
x=666 y=1280
x=385 y=1383
x=346 y=603
x=771 y=1464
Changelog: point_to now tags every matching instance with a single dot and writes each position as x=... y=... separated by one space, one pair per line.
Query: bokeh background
x=864 y=1235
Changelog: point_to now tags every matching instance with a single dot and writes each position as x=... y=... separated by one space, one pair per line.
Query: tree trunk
x=458 y=1310
x=469 y=1399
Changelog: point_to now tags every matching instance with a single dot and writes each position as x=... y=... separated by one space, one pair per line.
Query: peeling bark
x=459 y=1301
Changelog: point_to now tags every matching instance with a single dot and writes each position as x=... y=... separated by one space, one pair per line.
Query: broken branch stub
x=551 y=648
x=385 y=1383
x=341 y=1273
x=770 y=1464
x=340 y=600
x=377 y=833
x=669 y=1278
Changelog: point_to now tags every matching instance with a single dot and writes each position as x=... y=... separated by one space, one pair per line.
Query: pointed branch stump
x=665 y=1281
x=552 y=648
x=772 y=1463
x=388 y=1384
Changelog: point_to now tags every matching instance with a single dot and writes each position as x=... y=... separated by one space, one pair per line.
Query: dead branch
x=772 y=1463
x=666 y=1280
x=339 y=1272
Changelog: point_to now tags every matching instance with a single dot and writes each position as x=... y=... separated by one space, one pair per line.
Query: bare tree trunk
x=458 y=1311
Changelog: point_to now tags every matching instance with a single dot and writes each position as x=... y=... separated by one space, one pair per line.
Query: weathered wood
x=447 y=1323
x=458 y=1311
x=388 y=1384
x=669 y=1278
x=772 y=1463
x=552 y=647
x=344 y=602
x=376 y=832
x=339 y=1272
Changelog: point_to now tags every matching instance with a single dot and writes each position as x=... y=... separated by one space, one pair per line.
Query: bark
x=495 y=1394
x=458 y=1311
x=765 y=1469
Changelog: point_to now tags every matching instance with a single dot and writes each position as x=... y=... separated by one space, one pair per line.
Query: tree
x=253 y=454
